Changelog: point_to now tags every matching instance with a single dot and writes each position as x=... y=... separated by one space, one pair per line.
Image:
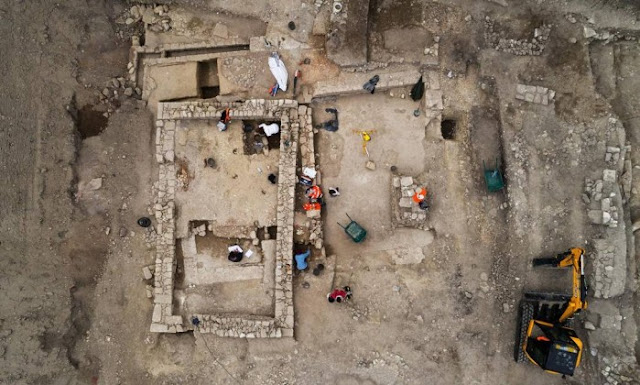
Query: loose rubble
x=520 y=47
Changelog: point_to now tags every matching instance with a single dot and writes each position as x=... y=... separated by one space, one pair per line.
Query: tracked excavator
x=544 y=335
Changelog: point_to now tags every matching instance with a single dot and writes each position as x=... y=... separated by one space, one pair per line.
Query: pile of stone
x=602 y=202
x=155 y=17
x=150 y=234
x=405 y=212
x=434 y=49
x=316 y=233
x=535 y=94
x=200 y=231
x=607 y=36
x=519 y=47
x=115 y=89
x=616 y=372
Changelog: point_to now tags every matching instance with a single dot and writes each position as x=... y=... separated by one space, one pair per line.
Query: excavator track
x=525 y=315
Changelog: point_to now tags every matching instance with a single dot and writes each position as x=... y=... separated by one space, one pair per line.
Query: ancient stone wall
x=139 y=52
x=291 y=119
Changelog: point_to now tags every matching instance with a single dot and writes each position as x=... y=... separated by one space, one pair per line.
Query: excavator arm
x=573 y=258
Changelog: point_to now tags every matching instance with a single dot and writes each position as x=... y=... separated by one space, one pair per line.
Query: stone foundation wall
x=535 y=94
x=291 y=119
x=163 y=319
x=212 y=109
x=351 y=83
x=138 y=52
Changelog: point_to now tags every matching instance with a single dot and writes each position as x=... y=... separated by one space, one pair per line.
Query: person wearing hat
x=340 y=295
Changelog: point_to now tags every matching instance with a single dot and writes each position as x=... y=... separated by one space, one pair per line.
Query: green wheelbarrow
x=493 y=177
x=356 y=232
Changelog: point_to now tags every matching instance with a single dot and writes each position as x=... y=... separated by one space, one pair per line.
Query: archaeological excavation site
x=349 y=192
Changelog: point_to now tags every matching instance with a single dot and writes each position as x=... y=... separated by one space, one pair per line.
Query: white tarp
x=279 y=71
x=270 y=129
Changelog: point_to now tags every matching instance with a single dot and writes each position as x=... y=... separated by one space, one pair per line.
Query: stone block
x=433 y=99
x=595 y=216
x=157 y=313
x=313 y=213
x=146 y=272
x=174 y=320
x=406 y=181
x=163 y=299
x=158 y=328
x=609 y=176
x=405 y=202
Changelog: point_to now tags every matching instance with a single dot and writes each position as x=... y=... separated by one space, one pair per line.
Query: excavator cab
x=542 y=335
x=554 y=348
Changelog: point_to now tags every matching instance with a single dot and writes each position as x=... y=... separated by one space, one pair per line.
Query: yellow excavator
x=543 y=335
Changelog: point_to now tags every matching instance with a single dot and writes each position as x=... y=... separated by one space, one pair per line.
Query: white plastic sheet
x=279 y=71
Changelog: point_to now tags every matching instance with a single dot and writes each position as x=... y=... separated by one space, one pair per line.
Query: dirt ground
x=435 y=306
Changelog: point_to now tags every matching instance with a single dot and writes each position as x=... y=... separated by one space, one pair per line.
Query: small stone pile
x=616 y=372
x=601 y=201
x=433 y=50
x=156 y=17
x=406 y=213
x=607 y=36
x=200 y=231
x=114 y=90
x=518 y=47
x=150 y=234
x=535 y=94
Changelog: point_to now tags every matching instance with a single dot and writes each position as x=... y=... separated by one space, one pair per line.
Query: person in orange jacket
x=311 y=206
x=420 y=195
x=314 y=193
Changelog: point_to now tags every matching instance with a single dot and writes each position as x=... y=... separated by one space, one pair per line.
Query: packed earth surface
x=123 y=188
